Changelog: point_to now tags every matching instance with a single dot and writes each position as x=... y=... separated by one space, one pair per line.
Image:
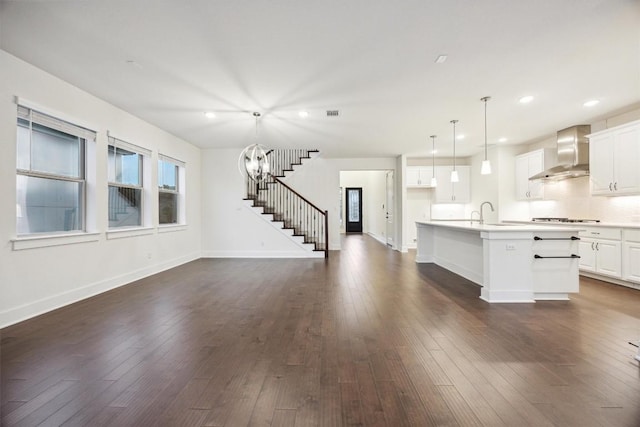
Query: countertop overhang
x=501 y=228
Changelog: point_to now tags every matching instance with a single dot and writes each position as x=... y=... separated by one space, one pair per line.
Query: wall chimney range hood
x=573 y=155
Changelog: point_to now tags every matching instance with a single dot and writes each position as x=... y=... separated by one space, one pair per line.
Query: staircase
x=289 y=209
x=124 y=205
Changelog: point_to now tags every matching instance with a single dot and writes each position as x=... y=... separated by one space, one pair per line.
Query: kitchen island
x=512 y=263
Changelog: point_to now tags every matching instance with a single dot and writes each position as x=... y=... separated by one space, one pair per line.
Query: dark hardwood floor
x=368 y=338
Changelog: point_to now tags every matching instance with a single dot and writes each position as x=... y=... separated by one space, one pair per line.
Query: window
x=51 y=175
x=170 y=190
x=126 y=184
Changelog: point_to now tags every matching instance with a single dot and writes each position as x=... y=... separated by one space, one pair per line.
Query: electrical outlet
x=511 y=247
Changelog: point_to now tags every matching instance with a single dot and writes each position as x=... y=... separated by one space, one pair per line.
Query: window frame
x=85 y=136
x=179 y=192
x=144 y=156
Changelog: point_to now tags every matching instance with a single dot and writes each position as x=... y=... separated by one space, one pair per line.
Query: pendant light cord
x=433 y=156
x=485 y=99
x=256 y=115
x=454 y=143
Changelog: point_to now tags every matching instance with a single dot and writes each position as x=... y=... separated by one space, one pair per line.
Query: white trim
x=27 y=311
x=37 y=241
x=263 y=254
x=298 y=240
x=170 y=228
x=173 y=160
x=121 y=143
x=55 y=113
x=609 y=279
x=120 y=233
x=380 y=239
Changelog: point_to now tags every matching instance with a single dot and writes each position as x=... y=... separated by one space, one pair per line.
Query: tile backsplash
x=571 y=198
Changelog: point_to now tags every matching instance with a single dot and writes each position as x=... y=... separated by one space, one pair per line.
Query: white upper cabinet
x=614 y=160
x=419 y=176
x=453 y=192
x=529 y=164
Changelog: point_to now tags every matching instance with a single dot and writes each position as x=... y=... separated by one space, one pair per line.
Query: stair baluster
x=287 y=205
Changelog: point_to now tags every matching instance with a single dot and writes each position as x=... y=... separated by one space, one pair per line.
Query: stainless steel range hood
x=573 y=155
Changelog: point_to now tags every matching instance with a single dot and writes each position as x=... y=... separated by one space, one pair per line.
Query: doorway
x=353 y=210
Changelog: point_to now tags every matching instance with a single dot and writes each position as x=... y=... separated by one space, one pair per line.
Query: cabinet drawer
x=632 y=235
x=602 y=233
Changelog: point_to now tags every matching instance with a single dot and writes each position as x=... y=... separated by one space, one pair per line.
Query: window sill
x=129 y=232
x=169 y=228
x=33 y=242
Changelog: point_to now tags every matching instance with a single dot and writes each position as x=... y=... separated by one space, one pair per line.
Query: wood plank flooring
x=368 y=338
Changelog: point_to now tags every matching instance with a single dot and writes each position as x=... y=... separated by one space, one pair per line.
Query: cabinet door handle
x=615 y=186
x=611 y=186
x=597 y=244
x=592 y=248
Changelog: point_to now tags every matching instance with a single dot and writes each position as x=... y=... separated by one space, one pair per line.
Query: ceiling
x=168 y=62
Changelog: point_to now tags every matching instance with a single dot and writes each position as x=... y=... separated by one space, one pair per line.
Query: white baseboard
x=262 y=254
x=36 y=308
x=379 y=238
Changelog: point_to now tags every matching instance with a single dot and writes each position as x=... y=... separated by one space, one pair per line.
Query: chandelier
x=253 y=159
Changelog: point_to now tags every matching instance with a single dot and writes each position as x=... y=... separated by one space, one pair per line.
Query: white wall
x=230 y=227
x=373 y=184
x=33 y=281
x=319 y=181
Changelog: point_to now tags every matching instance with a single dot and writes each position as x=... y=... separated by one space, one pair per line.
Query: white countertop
x=579 y=225
x=502 y=227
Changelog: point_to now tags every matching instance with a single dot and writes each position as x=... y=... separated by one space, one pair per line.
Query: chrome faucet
x=481 y=206
x=479 y=215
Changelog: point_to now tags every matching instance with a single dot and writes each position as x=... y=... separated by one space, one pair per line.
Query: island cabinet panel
x=614 y=161
x=512 y=263
x=557 y=264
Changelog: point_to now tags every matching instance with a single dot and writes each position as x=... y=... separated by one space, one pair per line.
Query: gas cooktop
x=564 y=220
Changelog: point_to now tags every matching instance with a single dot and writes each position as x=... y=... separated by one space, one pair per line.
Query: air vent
x=333 y=113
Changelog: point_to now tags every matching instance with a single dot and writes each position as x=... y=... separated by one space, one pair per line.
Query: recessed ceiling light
x=440 y=59
x=526 y=99
x=210 y=115
x=591 y=103
x=303 y=114
x=502 y=140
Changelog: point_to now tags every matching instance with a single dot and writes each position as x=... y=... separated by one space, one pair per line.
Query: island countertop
x=500 y=227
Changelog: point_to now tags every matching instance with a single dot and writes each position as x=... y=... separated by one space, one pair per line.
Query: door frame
x=359 y=224
x=390 y=208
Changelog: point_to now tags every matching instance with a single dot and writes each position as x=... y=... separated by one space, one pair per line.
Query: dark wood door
x=353 y=208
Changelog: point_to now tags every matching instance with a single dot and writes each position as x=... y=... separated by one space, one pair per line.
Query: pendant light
x=434 y=181
x=254 y=159
x=485 y=169
x=454 y=172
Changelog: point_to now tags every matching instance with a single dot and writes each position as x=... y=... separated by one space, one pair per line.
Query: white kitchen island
x=512 y=263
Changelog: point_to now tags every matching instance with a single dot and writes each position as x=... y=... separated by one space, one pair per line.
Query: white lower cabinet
x=601 y=251
x=631 y=256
